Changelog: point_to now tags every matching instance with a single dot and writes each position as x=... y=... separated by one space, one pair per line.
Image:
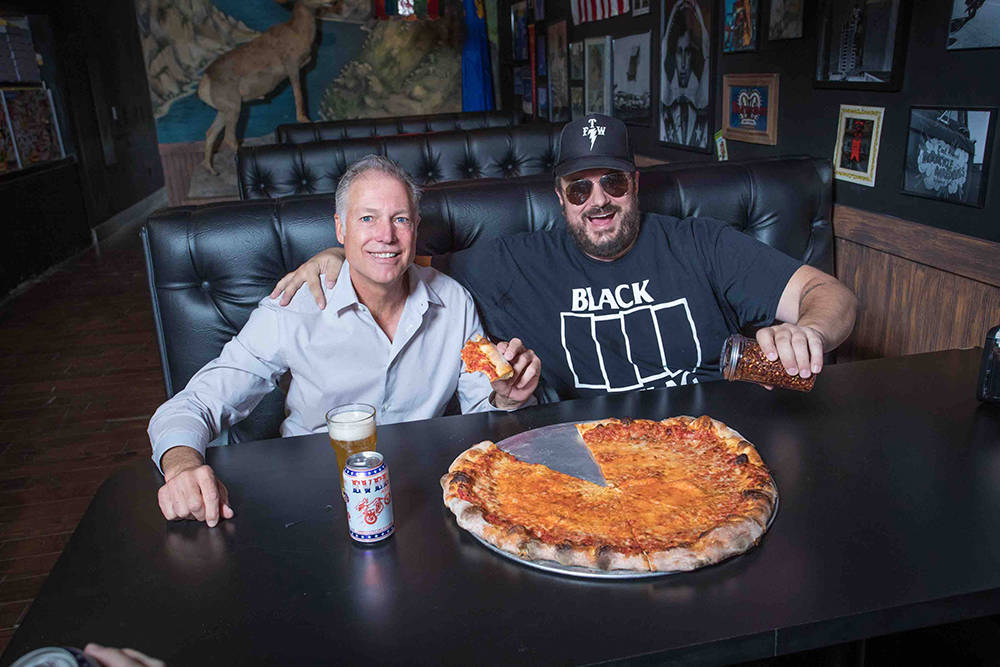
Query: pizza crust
x=499 y=368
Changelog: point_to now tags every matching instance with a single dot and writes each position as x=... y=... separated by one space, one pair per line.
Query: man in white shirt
x=391 y=337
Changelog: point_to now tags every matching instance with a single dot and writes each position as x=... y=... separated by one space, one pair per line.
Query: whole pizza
x=681 y=493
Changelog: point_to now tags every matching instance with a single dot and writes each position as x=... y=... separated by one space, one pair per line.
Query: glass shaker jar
x=989 y=372
x=742 y=359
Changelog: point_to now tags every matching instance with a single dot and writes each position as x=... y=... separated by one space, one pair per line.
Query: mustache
x=602 y=210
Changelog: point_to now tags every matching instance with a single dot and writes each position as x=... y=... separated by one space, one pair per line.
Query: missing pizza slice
x=481 y=356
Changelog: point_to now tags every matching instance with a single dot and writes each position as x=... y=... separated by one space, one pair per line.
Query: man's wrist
x=178 y=459
x=503 y=403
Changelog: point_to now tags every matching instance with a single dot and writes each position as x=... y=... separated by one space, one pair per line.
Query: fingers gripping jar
x=742 y=359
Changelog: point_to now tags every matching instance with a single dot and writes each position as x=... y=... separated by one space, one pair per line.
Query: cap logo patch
x=593 y=130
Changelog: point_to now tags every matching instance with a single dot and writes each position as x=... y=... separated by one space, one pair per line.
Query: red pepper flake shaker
x=742 y=359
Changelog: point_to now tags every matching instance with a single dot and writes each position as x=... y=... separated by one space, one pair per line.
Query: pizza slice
x=481 y=356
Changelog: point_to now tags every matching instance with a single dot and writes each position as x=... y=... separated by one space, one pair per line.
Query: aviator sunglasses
x=615 y=184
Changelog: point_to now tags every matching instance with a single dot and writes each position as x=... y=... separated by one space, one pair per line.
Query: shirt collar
x=342 y=295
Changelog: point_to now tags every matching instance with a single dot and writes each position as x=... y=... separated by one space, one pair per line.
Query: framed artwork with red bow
x=751 y=112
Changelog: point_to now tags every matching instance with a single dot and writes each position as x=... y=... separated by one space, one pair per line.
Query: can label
x=368 y=498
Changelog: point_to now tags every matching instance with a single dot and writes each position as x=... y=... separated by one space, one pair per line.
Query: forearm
x=827 y=306
x=178 y=459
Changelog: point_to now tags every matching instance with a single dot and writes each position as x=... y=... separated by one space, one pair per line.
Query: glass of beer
x=352 y=430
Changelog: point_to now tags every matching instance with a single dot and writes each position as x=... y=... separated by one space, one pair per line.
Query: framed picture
x=948 y=153
x=8 y=150
x=541 y=65
x=751 y=108
x=576 y=101
x=33 y=122
x=686 y=114
x=741 y=22
x=558 y=72
x=786 y=20
x=597 y=83
x=543 y=102
x=576 y=61
x=861 y=44
x=973 y=25
x=640 y=7
x=630 y=82
x=855 y=155
x=519 y=29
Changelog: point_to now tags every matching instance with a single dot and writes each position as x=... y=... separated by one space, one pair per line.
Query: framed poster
x=34 y=126
x=597 y=83
x=751 y=113
x=630 y=80
x=576 y=61
x=640 y=7
x=741 y=23
x=558 y=72
x=541 y=63
x=855 y=155
x=861 y=44
x=8 y=150
x=973 y=25
x=519 y=29
x=686 y=74
x=576 y=101
x=948 y=153
x=786 y=20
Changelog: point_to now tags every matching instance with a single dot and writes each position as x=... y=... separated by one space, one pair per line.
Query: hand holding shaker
x=742 y=359
x=989 y=372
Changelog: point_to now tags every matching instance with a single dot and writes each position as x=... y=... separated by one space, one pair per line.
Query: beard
x=611 y=247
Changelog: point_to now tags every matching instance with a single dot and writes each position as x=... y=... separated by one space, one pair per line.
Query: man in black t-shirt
x=617 y=300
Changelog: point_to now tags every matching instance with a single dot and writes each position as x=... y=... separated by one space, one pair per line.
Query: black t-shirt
x=655 y=317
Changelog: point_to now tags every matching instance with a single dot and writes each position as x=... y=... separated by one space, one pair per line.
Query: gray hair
x=376 y=163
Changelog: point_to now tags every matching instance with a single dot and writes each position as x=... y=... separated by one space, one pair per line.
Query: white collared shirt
x=338 y=355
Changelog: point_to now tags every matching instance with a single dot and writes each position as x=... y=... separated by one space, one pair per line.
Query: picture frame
x=686 y=114
x=33 y=125
x=785 y=20
x=740 y=25
x=630 y=84
x=9 y=159
x=856 y=47
x=576 y=61
x=969 y=28
x=576 y=102
x=751 y=108
x=558 y=79
x=640 y=7
x=597 y=82
x=948 y=152
x=859 y=134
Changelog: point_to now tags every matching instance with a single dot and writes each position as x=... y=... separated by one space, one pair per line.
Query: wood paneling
x=920 y=288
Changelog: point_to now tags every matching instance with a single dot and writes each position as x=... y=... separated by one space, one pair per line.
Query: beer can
x=56 y=656
x=369 y=501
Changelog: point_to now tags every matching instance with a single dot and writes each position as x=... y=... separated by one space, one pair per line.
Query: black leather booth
x=280 y=170
x=208 y=266
x=356 y=128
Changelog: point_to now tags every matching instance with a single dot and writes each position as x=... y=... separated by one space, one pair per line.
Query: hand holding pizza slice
x=512 y=368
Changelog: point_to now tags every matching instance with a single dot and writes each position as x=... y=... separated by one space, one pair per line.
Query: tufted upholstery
x=209 y=265
x=300 y=133
x=281 y=170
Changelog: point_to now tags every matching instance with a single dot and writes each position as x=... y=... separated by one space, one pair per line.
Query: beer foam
x=347 y=426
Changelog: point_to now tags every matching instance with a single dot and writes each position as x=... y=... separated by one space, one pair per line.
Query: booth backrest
x=357 y=128
x=208 y=266
x=280 y=170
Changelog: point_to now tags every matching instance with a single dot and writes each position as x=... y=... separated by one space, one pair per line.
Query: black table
x=889 y=475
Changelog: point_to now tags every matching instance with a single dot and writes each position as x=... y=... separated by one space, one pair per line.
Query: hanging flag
x=477 y=82
x=595 y=10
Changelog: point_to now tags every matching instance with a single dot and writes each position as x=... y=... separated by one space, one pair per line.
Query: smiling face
x=378 y=230
x=604 y=227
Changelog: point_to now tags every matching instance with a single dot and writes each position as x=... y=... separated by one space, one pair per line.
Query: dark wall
x=808 y=116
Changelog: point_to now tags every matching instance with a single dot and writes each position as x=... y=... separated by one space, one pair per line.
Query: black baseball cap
x=594 y=141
